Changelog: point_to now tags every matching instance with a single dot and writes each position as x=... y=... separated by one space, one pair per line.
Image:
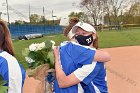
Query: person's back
x=100 y=81
x=94 y=78
x=11 y=72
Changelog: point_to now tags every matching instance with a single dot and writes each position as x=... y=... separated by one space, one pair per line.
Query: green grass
x=107 y=39
x=128 y=37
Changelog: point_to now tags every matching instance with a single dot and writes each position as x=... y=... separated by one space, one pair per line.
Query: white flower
x=32 y=47
x=40 y=46
x=36 y=46
x=53 y=44
x=29 y=60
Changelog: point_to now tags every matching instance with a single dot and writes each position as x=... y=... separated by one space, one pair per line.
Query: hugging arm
x=102 y=56
x=72 y=79
x=63 y=80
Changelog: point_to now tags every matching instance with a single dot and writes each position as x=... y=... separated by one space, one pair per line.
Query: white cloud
x=19 y=9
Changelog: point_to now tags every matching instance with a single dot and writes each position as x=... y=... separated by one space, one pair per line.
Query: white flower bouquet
x=40 y=61
x=39 y=53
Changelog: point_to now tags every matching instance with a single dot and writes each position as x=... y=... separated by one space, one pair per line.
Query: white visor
x=85 y=26
x=70 y=34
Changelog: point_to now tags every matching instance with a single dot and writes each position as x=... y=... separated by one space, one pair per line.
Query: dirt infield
x=123 y=72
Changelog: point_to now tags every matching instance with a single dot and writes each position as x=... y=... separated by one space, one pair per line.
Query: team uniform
x=79 y=59
x=11 y=72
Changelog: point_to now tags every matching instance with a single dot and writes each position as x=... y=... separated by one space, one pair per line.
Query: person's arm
x=77 y=76
x=63 y=80
x=101 y=56
x=66 y=81
x=97 y=54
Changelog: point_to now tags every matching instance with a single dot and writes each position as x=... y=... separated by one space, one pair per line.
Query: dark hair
x=5 y=38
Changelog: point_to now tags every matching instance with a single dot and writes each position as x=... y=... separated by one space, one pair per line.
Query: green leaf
x=2 y=82
x=32 y=54
x=25 y=52
x=3 y=89
x=51 y=56
x=1 y=78
x=48 y=44
x=36 y=64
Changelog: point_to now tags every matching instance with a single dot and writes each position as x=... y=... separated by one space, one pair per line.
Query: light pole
x=29 y=13
x=8 y=11
x=52 y=17
x=0 y=14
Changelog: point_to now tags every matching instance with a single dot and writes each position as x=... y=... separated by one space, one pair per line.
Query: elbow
x=107 y=58
x=62 y=85
x=102 y=56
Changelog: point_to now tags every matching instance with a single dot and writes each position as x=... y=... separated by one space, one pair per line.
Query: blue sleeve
x=94 y=73
x=23 y=74
x=81 y=55
x=4 y=70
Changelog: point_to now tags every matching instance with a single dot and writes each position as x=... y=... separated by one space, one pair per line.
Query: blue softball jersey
x=79 y=59
x=11 y=72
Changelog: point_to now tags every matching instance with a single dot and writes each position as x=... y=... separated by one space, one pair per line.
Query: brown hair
x=72 y=21
x=5 y=38
x=95 y=42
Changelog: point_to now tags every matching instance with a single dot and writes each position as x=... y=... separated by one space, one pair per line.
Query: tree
x=94 y=9
x=132 y=15
x=111 y=10
x=34 y=18
x=19 y=22
x=42 y=20
x=38 y=19
x=79 y=15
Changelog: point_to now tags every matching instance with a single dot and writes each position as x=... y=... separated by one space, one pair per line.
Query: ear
x=94 y=36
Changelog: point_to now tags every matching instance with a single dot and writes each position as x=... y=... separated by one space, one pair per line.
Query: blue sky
x=19 y=9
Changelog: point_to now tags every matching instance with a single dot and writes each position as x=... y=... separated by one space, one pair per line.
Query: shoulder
x=64 y=43
x=82 y=46
x=7 y=56
x=74 y=44
x=9 y=59
x=3 y=63
x=76 y=49
x=2 y=58
x=3 y=66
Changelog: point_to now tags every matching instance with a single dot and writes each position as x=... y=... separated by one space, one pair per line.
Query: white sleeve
x=84 y=71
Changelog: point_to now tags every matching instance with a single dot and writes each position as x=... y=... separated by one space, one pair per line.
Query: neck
x=73 y=39
x=91 y=46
